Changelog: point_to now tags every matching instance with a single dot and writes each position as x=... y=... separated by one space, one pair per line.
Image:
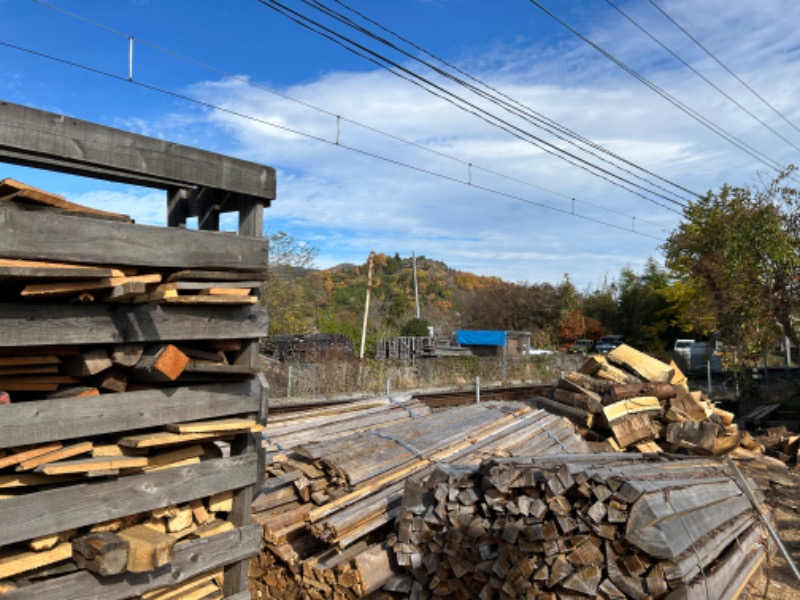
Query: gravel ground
x=778 y=581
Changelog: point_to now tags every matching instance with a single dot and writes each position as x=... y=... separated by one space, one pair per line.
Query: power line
x=248 y=82
x=700 y=75
x=462 y=104
x=721 y=64
x=729 y=137
x=493 y=95
x=316 y=138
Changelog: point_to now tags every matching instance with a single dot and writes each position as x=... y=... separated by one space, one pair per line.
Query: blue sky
x=516 y=218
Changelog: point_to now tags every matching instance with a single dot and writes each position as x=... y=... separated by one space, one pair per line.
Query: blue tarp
x=466 y=337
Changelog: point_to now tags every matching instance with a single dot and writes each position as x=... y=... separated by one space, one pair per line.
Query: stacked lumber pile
x=592 y=526
x=631 y=401
x=307 y=347
x=327 y=506
x=129 y=406
x=303 y=424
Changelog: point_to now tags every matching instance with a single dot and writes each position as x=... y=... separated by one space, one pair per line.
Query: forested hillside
x=730 y=274
x=303 y=299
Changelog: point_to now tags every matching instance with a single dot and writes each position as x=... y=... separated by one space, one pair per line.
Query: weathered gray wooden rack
x=198 y=184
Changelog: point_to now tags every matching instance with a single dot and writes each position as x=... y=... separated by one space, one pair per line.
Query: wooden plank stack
x=327 y=506
x=131 y=406
x=582 y=526
x=305 y=424
x=629 y=400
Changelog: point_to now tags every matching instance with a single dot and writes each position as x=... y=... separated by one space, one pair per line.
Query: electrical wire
x=721 y=64
x=316 y=138
x=700 y=75
x=466 y=106
x=271 y=91
x=493 y=95
x=729 y=137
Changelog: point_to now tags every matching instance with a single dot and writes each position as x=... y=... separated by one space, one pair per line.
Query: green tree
x=645 y=314
x=290 y=296
x=735 y=262
x=415 y=328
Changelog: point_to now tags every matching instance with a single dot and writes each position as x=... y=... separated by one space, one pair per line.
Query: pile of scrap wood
x=131 y=547
x=582 y=526
x=327 y=505
x=629 y=400
x=124 y=389
x=780 y=443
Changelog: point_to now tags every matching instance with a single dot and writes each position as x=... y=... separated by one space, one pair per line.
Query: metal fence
x=353 y=377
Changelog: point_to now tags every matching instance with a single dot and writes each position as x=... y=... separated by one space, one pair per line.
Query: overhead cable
x=469 y=107
x=248 y=82
x=724 y=66
x=493 y=95
x=699 y=74
x=316 y=138
x=729 y=137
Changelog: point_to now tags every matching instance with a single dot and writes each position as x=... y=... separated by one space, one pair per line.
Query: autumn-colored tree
x=576 y=326
x=601 y=304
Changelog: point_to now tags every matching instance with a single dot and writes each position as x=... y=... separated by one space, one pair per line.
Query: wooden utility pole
x=416 y=286
x=366 y=306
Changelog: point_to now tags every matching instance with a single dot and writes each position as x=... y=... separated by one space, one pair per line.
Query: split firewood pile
x=628 y=400
x=117 y=413
x=328 y=505
x=582 y=526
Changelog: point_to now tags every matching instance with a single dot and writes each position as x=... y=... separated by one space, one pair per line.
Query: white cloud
x=347 y=203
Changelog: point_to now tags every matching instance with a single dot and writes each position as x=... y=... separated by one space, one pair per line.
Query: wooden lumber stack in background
x=591 y=526
x=132 y=408
x=327 y=506
x=331 y=421
x=632 y=401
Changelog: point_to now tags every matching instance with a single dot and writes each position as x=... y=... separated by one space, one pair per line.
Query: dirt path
x=779 y=583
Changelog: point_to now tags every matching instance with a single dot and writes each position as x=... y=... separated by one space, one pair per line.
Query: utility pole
x=416 y=287
x=366 y=306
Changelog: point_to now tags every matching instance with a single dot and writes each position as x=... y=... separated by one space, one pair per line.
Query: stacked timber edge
x=130 y=423
x=329 y=502
x=611 y=526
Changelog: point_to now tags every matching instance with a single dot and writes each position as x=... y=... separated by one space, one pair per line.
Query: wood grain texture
x=190 y=559
x=35 y=137
x=43 y=324
x=30 y=516
x=29 y=269
x=64 y=418
x=35 y=236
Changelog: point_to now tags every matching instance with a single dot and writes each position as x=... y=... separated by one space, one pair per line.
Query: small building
x=494 y=343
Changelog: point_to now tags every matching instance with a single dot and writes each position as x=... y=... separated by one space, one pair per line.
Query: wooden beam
x=190 y=559
x=148 y=548
x=13 y=562
x=48 y=140
x=63 y=288
x=51 y=237
x=32 y=515
x=29 y=269
x=43 y=421
x=43 y=324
